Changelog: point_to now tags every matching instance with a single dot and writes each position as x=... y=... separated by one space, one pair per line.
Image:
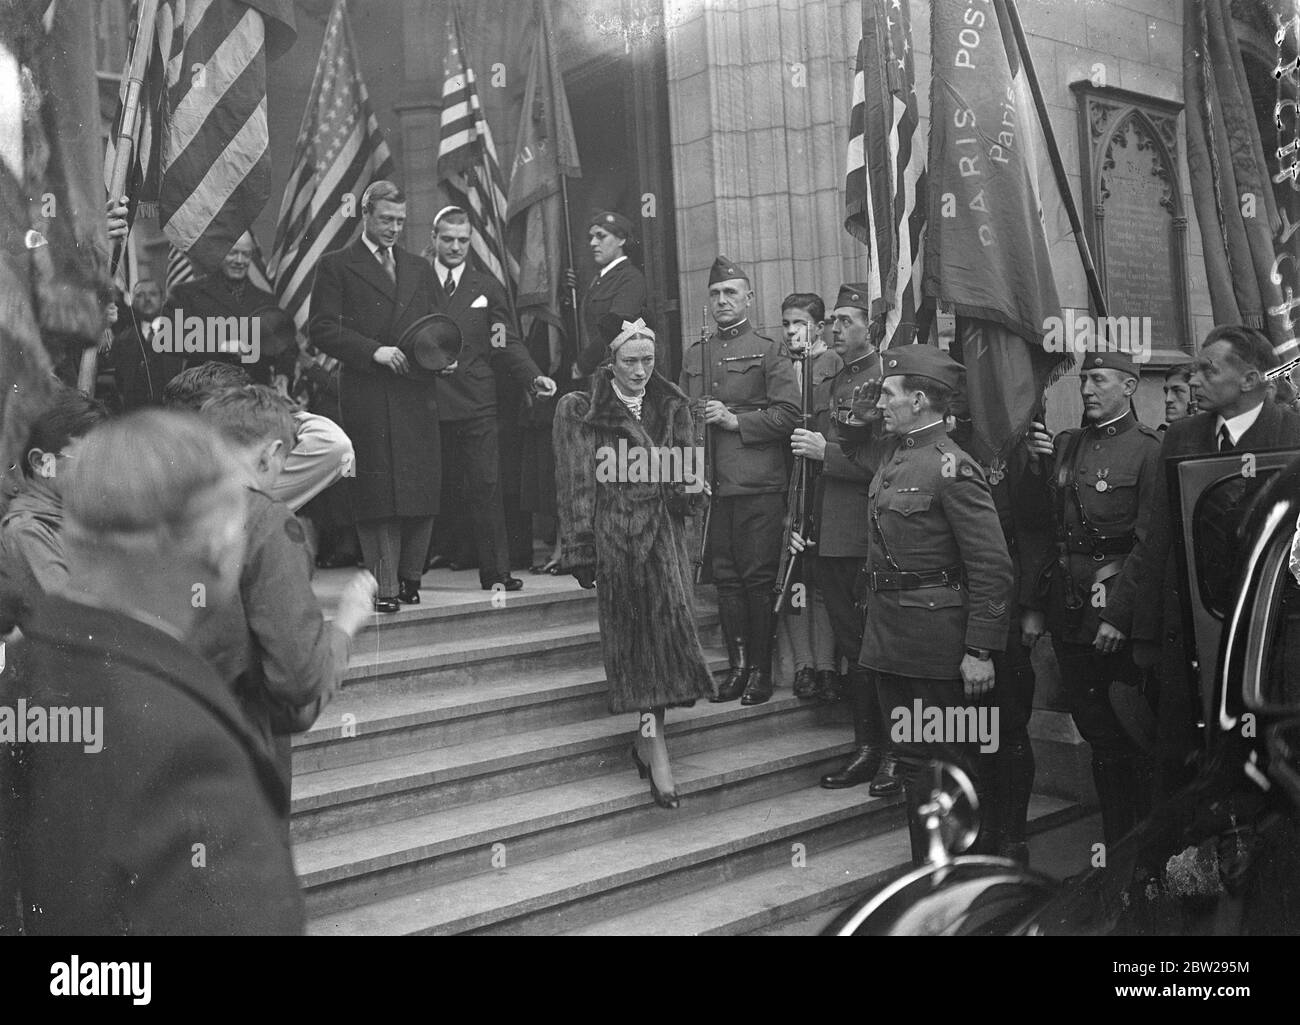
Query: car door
x=1211 y=496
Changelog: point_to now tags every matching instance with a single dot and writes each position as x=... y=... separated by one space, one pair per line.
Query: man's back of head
x=188 y=390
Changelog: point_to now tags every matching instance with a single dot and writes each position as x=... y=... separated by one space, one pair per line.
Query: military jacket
x=841 y=505
x=929 y=510
x=1103 y=476
x=754 y=379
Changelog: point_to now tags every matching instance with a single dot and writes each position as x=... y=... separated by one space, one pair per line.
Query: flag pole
x=1058 y=165
x=137 y=63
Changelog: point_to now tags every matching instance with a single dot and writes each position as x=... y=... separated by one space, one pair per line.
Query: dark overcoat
x=175 y=825
x=211 y=296
x=392 y=419
x=491 y=344
x=634 y=534
x=617 y=296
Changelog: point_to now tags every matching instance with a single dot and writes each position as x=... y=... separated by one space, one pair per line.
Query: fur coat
x=634 y=534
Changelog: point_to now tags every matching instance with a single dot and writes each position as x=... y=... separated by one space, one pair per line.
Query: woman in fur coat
x=625 y=529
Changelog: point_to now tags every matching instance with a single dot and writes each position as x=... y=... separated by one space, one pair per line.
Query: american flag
x=340 y=150
x=214 y=168
x=467 y=162
x=886 y=183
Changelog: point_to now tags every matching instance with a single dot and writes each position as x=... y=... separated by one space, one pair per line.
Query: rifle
x=706 y=443
x=798 y=508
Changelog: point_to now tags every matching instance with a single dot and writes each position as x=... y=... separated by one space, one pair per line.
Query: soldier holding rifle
x=843 y=537
x=750 y=410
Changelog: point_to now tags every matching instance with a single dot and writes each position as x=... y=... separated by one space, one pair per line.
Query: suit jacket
x=140 y=373
x=611 y=299
x=392 y=419
x=491 y=345
x=1150 y=584
x=109 y=842
x=211 y=297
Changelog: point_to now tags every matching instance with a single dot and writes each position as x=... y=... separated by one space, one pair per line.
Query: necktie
x=386 y=258
x=450 y=284
x=1225 y=439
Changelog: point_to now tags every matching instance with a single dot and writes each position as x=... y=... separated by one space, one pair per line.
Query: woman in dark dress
x=617 y=294
x=628 y=536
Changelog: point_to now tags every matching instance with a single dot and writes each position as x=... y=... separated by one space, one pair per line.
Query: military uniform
x=1103 y=476
x=755 y=381
x=938 y=577
x=806 y=632
x=1008 y=773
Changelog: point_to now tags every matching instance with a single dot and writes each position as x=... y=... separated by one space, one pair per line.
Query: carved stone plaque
x=1133 y=211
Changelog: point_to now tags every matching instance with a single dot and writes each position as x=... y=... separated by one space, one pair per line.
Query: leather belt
x=1099 y=546
x=900 y=580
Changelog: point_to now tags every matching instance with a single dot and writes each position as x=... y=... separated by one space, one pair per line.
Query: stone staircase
x=468 y=779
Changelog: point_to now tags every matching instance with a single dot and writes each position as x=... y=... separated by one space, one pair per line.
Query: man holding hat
x=1102 y=475
x=751 y=410
x=938 y=577
x=843 y=538
x=363 y=300
x=467 y=399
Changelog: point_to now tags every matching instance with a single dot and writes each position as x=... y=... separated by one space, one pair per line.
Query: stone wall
x=760 y=92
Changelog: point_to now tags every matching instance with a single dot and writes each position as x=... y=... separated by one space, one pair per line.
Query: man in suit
x=467 y=399
x=229 y=293
x=141 y=373
x=167 y=821
x=843 y=537
x=751 y=410
x=1235 y=415
x=362 y=300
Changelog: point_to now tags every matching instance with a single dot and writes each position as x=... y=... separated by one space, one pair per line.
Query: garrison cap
x=724 y=270
x=922 y=361
x=614 y=223
x=1107 y=360
x=854 y=295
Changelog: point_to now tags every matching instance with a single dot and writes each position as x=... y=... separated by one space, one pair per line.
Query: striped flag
x=885 y=188
x=213 y=159
x=467 y=163
x=340 y=151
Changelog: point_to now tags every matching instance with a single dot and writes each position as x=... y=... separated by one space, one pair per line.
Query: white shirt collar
x=374 y=247
x=1239 y=424
x=610 y=266
x=1112 y=420
x=918 y=430
x=441 y=269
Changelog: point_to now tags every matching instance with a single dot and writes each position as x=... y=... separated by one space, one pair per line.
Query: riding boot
x=734 y=619
x=761 y=621
x=993 y=803
x=868 y=734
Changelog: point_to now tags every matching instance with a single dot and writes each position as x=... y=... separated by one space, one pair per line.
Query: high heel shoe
x=665 y=799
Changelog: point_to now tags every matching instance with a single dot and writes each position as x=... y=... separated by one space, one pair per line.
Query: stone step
x=391 y=788
x=348 y=869
x=577 y=887
x=491 y=616
x=378 y=667
x=360 y=727
x=827 y=883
